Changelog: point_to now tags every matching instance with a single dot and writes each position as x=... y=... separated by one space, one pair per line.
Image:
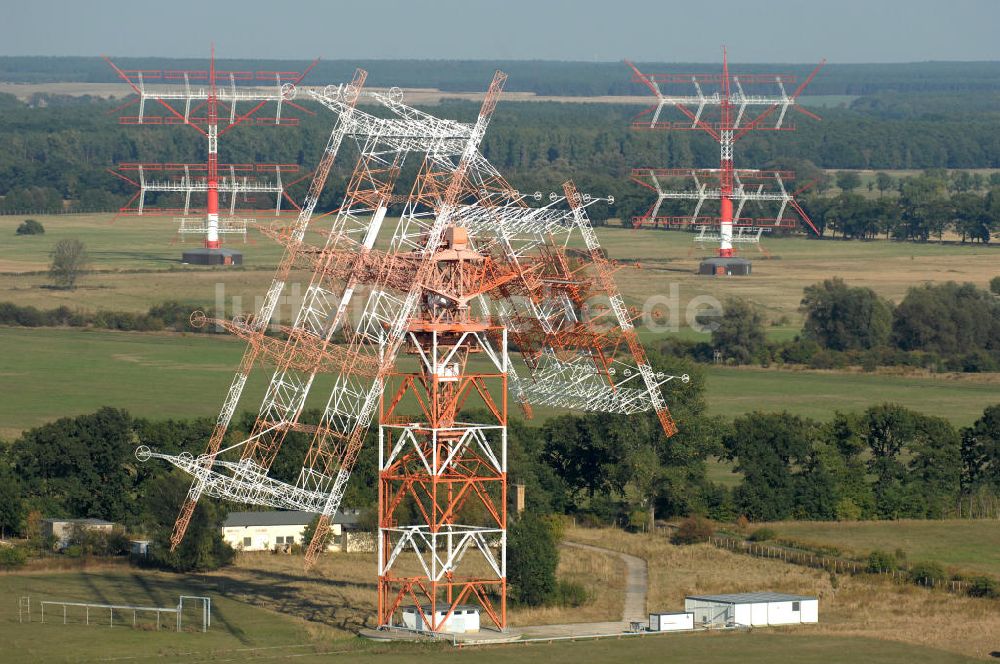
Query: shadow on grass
x=328 y=601
x=136 y=256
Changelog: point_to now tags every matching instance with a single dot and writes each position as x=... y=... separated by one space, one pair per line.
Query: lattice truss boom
x=376 y=293
x=761 y=200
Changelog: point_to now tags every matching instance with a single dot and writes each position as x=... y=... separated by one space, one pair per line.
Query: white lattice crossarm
x=410 y=131
x=239 y=481
x=438 y=553
x=227 y=225
x=741 y=234
x=577 y=385
x=766 y=190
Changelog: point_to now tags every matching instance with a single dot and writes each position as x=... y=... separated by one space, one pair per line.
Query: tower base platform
x=205 y=256
x=482 y=637
x=725 y=267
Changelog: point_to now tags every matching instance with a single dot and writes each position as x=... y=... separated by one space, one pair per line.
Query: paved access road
x=636 y=581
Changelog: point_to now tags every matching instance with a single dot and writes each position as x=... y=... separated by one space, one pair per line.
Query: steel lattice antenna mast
x=731 y=186
x=469 y=261
x=186 y=180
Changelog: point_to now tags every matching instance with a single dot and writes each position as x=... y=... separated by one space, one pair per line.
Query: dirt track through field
x=634 y=609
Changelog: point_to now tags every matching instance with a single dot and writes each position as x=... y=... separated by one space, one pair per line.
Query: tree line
x=886 y=462
x=941 y=327
x=538 y=76
x=54 y=156
x=919 y=207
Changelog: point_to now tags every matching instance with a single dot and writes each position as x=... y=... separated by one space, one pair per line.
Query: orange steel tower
x=450 y=473
x=204 y=94
x=412 y=326
x=735 y=117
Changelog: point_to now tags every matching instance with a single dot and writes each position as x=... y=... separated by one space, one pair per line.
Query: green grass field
x=666 y=260
x=818 y=394
x=50 y=373
x=242 y=631
x=236 y=626
x=968 y=544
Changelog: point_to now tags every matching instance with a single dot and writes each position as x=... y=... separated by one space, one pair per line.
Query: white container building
x=465 y=618
x=752 y=609
x=671 y=622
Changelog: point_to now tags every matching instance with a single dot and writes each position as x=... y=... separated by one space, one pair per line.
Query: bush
x=848 y=510
x=984 y=586
x=742 y=525
x=12 y=557
x=309 y=531
x=532 y=557
x=799 y=351
x=30 y=227
x=927 y=574
x=569 y=594
x=881 y=561
x=557 y=525
x=995 y=285
x=693 y=530
x=763 y=535
x=827 y=359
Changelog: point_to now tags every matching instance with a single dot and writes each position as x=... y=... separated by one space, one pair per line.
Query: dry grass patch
x=340 y=591
x=856 y=606
x=603 y=575
x=677 y=571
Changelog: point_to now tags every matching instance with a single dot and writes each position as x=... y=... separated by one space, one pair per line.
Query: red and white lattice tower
x=470 y=262
x=209 y=101
x=725 y=107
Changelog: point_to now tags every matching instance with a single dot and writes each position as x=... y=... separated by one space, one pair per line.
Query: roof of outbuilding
x=750 y=598
x=345 y=517
x=82 y=522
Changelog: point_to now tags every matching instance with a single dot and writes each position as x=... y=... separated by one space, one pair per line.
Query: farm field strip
x=970 y=545
x=49 y=373
x=656 y=264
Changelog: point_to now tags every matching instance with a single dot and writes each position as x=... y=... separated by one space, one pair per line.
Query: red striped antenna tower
x=213 y=102
x=727 y=107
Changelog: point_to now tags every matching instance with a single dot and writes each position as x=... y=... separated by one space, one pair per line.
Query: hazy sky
x=606 y=30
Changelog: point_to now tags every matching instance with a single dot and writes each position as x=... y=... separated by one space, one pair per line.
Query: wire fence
x=112 y=615
x=833 y=563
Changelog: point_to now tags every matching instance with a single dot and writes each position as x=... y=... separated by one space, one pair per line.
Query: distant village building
x=61 y=530
x=275 y=530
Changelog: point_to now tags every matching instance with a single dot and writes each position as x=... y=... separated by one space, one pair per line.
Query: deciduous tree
x=69 y=260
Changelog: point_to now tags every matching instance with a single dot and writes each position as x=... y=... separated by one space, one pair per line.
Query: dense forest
x=885 y=462
x=55 y=151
